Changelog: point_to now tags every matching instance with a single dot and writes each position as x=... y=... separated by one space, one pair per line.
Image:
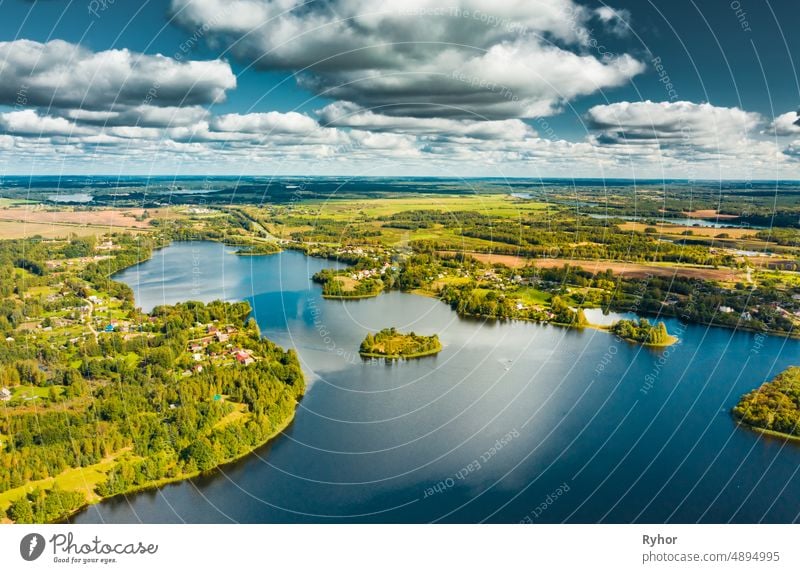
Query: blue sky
x=634 y=88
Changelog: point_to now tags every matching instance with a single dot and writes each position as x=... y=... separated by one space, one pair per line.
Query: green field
x=74 y=479
x=531 y=295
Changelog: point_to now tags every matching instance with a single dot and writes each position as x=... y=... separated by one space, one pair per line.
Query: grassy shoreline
x=402 y=356
x=183 y=477
x=350 y=297
x=770 y=433
x=672 y=340
x=103 y=466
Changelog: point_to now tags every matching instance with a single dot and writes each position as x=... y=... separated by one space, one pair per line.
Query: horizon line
x=449 y=178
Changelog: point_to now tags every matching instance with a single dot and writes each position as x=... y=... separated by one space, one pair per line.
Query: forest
x=643 y=332
x=774 y=406
x=131 y=403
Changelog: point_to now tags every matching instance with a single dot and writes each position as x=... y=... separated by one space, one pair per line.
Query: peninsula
x=773 y=407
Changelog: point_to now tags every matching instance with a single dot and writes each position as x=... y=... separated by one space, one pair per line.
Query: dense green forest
x=775 y=406
x=41 y=506
x=389 y=343
x=132 y=401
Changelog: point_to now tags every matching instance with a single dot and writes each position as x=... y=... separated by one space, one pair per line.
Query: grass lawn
x=777 y=277
x=238 y=414
x=30 y=392
x=448 y=280
x=74 y=479
x=348 y=284
x=36 y=291
x=533 y=296
x=6 y=202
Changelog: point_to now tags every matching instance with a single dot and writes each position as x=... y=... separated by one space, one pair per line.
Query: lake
x=684 y=221
x=70 y=198
x=489 y=430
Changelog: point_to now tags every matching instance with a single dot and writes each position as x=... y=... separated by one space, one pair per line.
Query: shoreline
x=183 y=477
x=766 y=432
x=670 y=341
x=347 y=297
x=794 y=335
x=402 y=356
x=602 y=327
x=166 y=481
x=158 y=484
x=422 y=292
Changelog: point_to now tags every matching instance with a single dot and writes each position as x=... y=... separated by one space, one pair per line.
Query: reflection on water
x=637 y=434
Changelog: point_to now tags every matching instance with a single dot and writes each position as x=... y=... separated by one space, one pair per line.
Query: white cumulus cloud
x=64 y=75
x=468 y=59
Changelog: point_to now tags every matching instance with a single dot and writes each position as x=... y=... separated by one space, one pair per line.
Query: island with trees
x=643 y=332
x=774 y=407
x=392 y=344
x=99 y=398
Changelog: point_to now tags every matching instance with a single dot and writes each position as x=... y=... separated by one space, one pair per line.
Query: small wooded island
x=774 y=407
x=389 y=343
x=643 y=332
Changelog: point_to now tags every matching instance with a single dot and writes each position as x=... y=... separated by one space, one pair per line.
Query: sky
x=644 y=89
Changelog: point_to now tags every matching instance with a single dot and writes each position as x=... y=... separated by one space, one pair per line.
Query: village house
x=243 y=357
x=5 y=394
x=106 y=246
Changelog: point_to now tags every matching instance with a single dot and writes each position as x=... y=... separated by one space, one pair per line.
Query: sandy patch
x=707 y=214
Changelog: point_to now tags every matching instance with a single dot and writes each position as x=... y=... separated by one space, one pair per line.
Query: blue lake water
x=486 y=430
